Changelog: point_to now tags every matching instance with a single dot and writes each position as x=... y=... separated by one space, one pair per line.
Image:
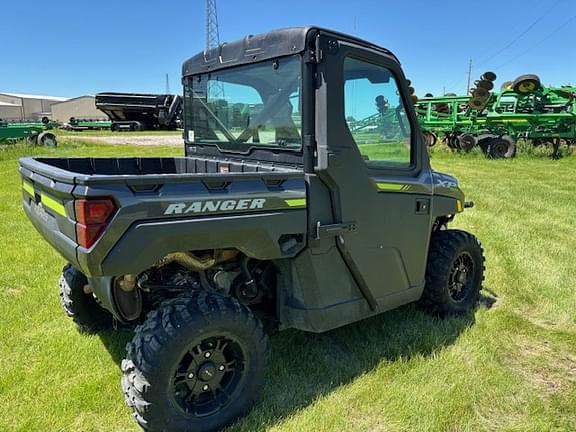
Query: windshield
x=245 y=107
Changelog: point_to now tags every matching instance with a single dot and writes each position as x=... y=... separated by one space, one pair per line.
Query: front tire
x=83 y=308
x=454 y=273
x=197 y=364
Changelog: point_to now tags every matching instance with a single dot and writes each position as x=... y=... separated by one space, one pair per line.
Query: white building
x=32 y=107
x=10 y=111
x=81 y=108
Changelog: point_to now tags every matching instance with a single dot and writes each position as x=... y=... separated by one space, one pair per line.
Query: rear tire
x=197 y=364
x=83 y=308
x=454 y=273
x=502 y=148
x=47 y=139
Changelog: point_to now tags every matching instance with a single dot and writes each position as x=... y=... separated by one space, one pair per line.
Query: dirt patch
x=546 y=367
x=138 y=140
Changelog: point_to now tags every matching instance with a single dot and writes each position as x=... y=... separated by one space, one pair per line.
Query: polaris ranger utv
x=279 y=216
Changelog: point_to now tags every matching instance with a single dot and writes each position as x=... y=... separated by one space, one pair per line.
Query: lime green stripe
x=54 y=205
x=392 y=187
x=296 y=202
x=28 y=188
x=51 y=203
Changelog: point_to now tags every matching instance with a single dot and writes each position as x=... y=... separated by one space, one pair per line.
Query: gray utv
x=305 y=200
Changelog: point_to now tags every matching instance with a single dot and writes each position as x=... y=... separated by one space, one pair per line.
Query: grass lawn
x=107 y=132
x=509 y=367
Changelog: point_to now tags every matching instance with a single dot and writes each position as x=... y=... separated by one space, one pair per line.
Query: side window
x=375 y=115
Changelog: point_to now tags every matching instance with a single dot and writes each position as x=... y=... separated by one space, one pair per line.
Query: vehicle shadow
x=306 y=366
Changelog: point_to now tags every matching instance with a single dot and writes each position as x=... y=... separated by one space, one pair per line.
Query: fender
x=258 y=235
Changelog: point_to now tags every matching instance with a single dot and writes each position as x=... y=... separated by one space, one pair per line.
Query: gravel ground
x=140 y=140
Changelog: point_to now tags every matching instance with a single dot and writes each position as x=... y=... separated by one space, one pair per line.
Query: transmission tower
x=212 y=31
x=215 y=89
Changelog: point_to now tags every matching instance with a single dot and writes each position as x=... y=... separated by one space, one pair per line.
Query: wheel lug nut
x=190 y=375
x=221 y=367
x=207 y=355
x=205 y=388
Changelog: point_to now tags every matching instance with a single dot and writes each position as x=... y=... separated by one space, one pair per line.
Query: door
x=376 y=171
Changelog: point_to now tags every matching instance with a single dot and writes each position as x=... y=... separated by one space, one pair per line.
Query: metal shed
x=32 y=107
x=10 y=111
x=81 y=108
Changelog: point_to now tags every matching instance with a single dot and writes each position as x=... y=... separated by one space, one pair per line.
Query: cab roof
x=276 y=43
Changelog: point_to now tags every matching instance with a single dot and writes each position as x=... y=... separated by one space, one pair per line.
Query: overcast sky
x=70 y=48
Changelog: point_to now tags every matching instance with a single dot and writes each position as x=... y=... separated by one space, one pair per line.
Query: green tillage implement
x=79 y=125
x=544 y=116
x=34 y=132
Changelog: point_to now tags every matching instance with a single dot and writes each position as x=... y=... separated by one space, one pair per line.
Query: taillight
x=92 y=216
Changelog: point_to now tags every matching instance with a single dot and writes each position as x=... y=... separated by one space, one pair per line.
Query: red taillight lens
x=92 y=216
x=88 y=234
x=94 y=211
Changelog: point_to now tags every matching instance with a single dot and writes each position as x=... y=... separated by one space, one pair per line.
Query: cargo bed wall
x=148 y=166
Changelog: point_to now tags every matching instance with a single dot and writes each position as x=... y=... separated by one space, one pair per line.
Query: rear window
x=238 y=109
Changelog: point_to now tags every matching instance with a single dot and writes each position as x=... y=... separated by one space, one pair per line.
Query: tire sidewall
x=445 y=248
x=83 y=308
x=163 y=404
x=510 y=152
x=468 y=302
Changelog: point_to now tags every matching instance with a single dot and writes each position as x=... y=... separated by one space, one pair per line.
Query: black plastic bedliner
x=159 y=165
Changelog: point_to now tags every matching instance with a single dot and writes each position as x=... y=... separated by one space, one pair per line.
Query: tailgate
x=49 y=204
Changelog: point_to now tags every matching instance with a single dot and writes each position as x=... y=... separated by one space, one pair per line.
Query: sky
x=71 y=48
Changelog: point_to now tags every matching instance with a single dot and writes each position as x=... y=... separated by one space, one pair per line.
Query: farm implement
x=78 y=125
x=495 y=121
x=36 y=133
x=137 y=112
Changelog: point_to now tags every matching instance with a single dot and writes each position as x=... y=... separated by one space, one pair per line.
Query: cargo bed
x=167 y=169
x=169 y=197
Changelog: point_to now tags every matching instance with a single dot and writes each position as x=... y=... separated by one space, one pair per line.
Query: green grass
x=106 y=132
x=511 y=367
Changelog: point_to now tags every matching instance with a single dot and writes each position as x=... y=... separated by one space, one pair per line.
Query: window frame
x=367 y=56
x=251 y=147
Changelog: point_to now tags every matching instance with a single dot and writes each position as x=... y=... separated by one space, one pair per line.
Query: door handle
x=333 y=230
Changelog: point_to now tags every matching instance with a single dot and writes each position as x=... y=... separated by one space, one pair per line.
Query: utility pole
x=469 y=76
x=167 y=85
x=215 y=89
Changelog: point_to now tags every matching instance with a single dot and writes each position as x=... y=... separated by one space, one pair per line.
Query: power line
x=469 y=76
x=541 y=41
x=517 y=38
x=508 y=45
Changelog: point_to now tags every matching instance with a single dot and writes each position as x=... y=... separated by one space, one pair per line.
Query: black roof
x=276 y=43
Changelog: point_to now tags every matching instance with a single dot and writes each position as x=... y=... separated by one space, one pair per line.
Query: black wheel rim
x=208 y=376
x=460 y=279
x=499 y=149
